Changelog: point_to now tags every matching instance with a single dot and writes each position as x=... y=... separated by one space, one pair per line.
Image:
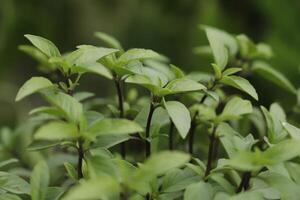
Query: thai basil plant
x=164 y=135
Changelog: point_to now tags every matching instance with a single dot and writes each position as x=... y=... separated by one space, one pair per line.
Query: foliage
x=251 y=152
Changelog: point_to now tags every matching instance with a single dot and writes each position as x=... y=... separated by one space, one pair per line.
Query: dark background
x=167 y=26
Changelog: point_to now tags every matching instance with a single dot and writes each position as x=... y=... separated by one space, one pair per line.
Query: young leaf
x=57 y=131
x=13 y=184
x=193 y=191
x=114 y=127
x=109 y=40
x=231 y=71
x=87 y=55
x=177 y=71
x=136 y=54
x=180 y=116
x=67 y=104
x=266 y=71
x=219 y=41
x=241 y=84
x=71 y=171
x=292 y=130
x=235 y=108
x=39 y=181
x=33 y=85
x=44 y=45
x=182 y=85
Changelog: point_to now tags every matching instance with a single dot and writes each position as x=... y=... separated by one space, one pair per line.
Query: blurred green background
x=167 y=26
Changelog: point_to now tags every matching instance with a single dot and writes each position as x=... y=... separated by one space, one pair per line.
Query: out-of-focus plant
x=236 y=148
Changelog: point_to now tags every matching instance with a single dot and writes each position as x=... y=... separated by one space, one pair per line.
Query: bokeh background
x=167 y=26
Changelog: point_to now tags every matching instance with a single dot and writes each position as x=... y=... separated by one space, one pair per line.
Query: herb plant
x=179 y=135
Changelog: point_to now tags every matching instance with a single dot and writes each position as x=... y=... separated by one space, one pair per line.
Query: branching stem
x=80 y=159
x=211 y=151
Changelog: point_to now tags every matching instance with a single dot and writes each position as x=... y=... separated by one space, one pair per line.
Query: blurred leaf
x=57 y=131
x=37 y=145
x=33 y=85
x=193 y=191
x=44 y=45
x=241 y=84
x=292 y=130
x=109 y=40
x=96 y=188
x=13 y=184
x=180 y=116
x=114 y=127
x=8 y=162
x=39 y=181
x=266 y=71
x=7 y=196
x=72 y=173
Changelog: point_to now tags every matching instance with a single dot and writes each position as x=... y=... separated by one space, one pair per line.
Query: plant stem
x=121 y=110
x=171 y=136
x=80 y=159
x=211 y=150
x=148 y=127
x=245 y=182
x=192 y=134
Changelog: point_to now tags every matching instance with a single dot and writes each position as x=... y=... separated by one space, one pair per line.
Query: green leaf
x=177 y=179
x=193 y=191
x=13 y=184
x=144 y=81
x=287 y=188
x=180 y=86
x=108 y=141
x=7 y=196
x=57 y=131
x=249 y=195
x=8 y=162
x=232 y=70
x=95 y=68
x=235 y=108
x=39 y=181
x=217 y=70
x=87 y=55
x=266 y=71
x=109 y=40
x=34 y=52
x=136 y=54
x=101 y=188
x=38 y=145
x=71 y=171
x=114 y=127
x=177 y=71
x=67 y=104
x=222 y=44
x=44 y=45
x=274 y=118
x=241 y=84
x=292 y=130
x=158 y=164
x=33 y=85
x=180 y=116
